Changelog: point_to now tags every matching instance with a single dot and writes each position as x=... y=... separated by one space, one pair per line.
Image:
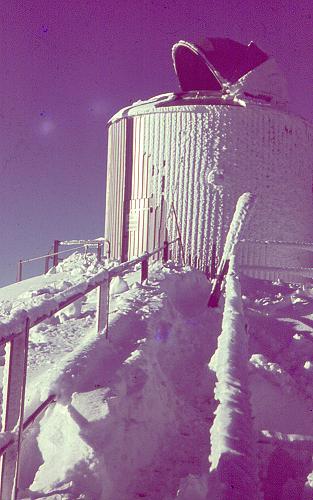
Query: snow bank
x=233 y=456
x=73 y=277
x=132 y=410
x=118 y=285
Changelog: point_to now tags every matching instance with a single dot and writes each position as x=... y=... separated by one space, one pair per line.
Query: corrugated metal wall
x=135 y=217
x=198 y=160
x=116 y=163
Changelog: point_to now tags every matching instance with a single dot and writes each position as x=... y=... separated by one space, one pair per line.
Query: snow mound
x=149 y=412
x=118 y=285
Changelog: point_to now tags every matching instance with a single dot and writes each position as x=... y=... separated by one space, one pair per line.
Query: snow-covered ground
x=134 y=416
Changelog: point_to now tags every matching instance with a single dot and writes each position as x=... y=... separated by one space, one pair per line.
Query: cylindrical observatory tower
x=192 y=154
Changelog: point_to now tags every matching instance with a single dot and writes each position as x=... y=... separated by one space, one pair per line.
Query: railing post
x=56 y=252
x=99 y=251
x=109 y=248
x=103 y=308
x=165 y=251
x=144 y=269
x=13 y=410
x=217 y=287
x=241 y=215
x=19 y=270
x=47 y=259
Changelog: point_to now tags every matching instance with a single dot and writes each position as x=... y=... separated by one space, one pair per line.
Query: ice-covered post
x=14 y=382
x=103 y=307
x=243 y=210
x=233 y=445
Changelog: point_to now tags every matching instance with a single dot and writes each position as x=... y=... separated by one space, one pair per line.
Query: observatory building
x=179 y=161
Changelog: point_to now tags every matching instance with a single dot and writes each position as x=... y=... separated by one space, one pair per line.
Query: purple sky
x=67 y=66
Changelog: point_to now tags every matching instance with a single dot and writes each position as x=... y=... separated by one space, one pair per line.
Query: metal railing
x=233 y=446
x=275 y=270
x=99 y=243
x=54 y=256
x=15 y=332
x=301 y=245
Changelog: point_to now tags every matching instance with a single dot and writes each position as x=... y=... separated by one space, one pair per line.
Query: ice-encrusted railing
x=14 y=333
x=276 y=271
x=233 y=444
x=244 y=208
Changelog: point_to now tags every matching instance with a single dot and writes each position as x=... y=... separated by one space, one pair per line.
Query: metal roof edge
x=196 y=99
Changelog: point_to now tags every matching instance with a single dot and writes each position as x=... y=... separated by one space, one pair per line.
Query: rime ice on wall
x=205 y=156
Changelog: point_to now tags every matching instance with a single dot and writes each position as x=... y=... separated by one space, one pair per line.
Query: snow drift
x=145 y=414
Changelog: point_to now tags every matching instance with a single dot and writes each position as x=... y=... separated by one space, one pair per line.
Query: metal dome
x=214 y=63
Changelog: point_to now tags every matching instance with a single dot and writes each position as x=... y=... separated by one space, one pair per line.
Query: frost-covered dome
x=223 y=65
